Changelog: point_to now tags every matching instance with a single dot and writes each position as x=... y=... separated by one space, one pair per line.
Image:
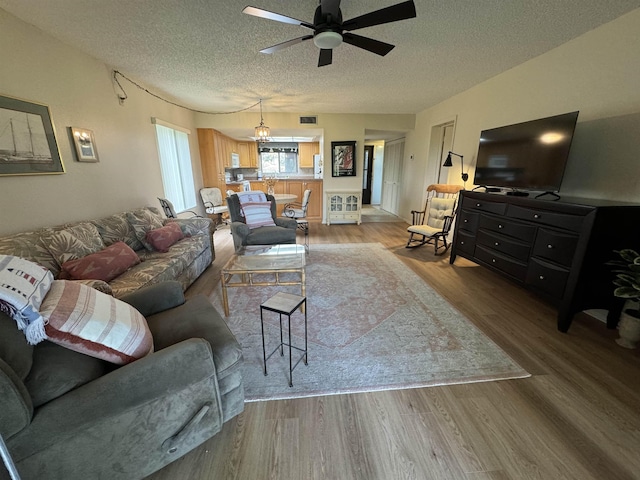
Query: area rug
x=373 y=324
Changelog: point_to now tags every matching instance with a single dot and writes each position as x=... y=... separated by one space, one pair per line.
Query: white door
x=392 y=175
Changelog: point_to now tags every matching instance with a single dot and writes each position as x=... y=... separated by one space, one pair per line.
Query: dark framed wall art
x=343 y=159
x=28 y=143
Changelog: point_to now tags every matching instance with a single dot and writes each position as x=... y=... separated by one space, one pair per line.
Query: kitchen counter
x=296 y=177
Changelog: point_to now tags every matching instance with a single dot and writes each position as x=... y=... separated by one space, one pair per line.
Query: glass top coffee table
x=267 y=261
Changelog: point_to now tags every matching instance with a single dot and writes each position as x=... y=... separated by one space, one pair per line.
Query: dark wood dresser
x=556 y=248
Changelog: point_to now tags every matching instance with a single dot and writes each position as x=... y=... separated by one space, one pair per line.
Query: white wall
x=596 y=73
x=79 y=92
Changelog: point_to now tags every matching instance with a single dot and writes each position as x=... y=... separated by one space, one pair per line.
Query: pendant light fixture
x=262 y=132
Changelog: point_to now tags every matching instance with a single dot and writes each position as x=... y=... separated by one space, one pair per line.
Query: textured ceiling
x=205 y=53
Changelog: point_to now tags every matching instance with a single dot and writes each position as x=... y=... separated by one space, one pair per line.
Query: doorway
x=367 y=174
x=392 y=175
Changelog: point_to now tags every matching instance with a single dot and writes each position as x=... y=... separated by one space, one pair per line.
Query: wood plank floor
x=577 y=417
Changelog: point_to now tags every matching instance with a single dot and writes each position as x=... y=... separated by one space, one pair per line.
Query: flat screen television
x=530 y=155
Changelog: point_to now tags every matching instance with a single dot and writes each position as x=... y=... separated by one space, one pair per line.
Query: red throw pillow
x=104 y=265
x=162 y=238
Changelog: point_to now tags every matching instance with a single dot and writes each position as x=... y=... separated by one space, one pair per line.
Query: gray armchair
x=65 y=415
x=283 y=232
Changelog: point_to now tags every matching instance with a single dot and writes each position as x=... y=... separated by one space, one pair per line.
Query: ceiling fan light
x=327 y=40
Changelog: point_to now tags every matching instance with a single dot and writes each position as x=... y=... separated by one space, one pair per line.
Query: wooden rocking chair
x=434 y=222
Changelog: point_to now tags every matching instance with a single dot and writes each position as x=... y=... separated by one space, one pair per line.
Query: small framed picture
x=85 y=144
x=343 y=159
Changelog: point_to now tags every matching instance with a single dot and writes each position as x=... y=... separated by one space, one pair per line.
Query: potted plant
x=627 y=284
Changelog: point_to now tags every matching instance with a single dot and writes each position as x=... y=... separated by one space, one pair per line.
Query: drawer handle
x=466 y=221
x=549 y=246
x=500 y=226
x=478 y=204
x=536 y=216
x=461 y=243
x=493 y=260
x=541 y=277
x=497 y=243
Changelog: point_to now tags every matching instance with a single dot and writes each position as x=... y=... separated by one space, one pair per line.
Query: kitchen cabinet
x=215 y=155
x=248 y=152
x=297 y=187
x=211 y=157
x=306 y=151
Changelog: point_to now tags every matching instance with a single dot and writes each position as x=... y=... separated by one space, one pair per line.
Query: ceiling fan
x=329 y=30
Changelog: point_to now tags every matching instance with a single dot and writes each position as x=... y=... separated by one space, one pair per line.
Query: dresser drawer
x=543 y=217
x=504 y=244
x=504 y=226
x=484 y=206
x=510 y=266
x=468 y=220
x=465 y=242
x=547 y=278
x=555 y=246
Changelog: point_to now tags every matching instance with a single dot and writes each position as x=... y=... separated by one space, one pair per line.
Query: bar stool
x=284 y=304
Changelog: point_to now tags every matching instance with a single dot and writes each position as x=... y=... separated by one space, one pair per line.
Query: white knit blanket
x=253 y=196
x=23 y=286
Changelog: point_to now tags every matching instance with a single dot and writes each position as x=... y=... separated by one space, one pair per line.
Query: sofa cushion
x=162 y=238
x=257 y=214
x=90 y=322
x=14 y=349
x=270 y=236
x=74 y=242
x=17 y=408
x=57 y=370
x=142 y=221
x=104 y=265
x=197 y=318
x=116 y=228
x=30 y=246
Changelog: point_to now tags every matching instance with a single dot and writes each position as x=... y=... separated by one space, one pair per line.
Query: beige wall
x=596 y=74
x=335 y=127
x=79 y=92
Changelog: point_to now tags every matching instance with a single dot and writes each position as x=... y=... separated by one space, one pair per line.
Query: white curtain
x=175 y=165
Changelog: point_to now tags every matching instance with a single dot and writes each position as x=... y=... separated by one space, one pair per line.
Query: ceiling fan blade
x=330 y=6
x=326 y=57
x=374 y=46
x=286 y=44
x=259 y=12
x=400 y=11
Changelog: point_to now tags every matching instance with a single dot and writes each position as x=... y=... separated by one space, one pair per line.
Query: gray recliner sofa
x=65 y=415
x=284 y=231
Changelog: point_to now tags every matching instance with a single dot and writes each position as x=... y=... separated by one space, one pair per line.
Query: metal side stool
x=303 y=225
x=284 y=304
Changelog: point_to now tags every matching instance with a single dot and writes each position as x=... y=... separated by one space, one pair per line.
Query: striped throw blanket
x=23 y=286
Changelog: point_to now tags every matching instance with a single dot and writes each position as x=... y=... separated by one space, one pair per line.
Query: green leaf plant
x=627 y=280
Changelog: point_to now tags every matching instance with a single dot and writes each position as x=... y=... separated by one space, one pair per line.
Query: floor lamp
x=8 y=462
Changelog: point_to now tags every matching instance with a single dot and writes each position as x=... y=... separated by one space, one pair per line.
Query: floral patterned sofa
x=184 y=260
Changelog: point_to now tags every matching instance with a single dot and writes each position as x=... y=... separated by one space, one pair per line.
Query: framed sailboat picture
x=28 y=143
